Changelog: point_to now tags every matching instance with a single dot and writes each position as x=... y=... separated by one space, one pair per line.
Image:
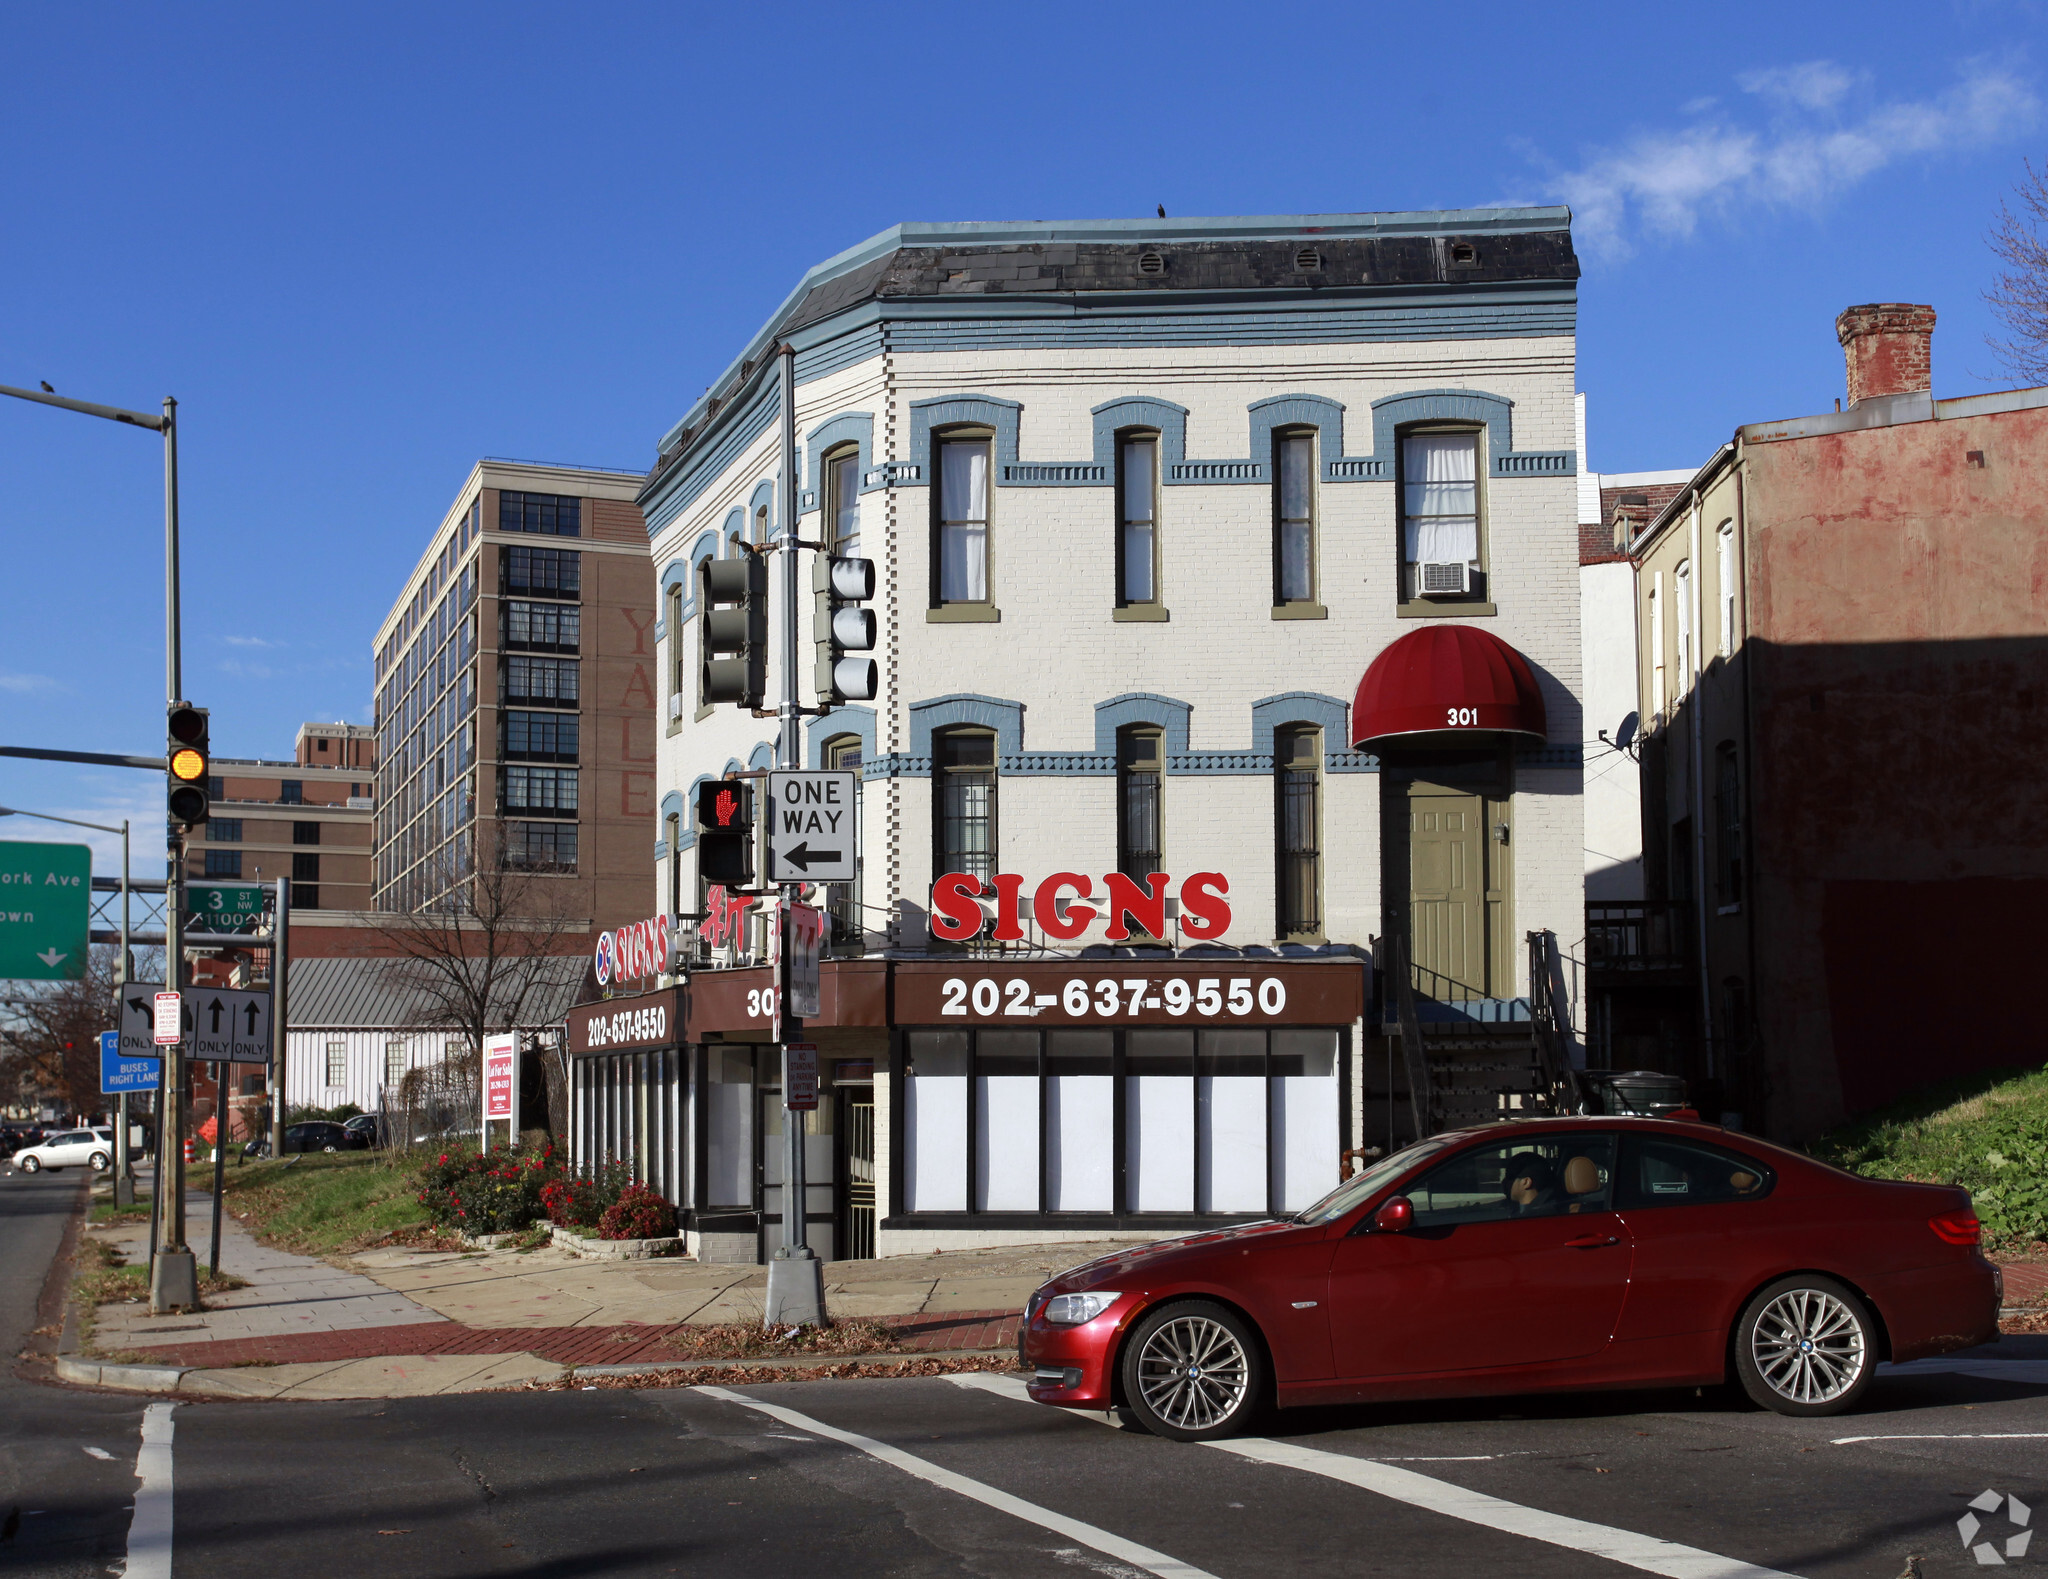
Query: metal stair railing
x=1413 y=1054
x=1548 y=1028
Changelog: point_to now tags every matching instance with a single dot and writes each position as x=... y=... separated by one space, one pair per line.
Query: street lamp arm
x=137 y=419
x=102 y=759
x=16 y=811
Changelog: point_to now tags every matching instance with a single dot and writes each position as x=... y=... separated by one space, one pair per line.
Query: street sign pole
x=280 y=969
x=796 y=1278
x=124 y=1170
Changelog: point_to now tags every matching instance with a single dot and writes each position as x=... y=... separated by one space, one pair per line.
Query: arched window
x=1681 y=607
x=1440 y=539
x=842 y=500
x=960 y=521
x=678 y=672
x=1294 y=519
x=842 y=900
x=1724 y=584
x=1140 y=781
x=1298 y=829
x=1137 y=507
x=964 y=792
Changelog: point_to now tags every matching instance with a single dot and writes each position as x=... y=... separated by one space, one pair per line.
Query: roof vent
x=1308 y=261
x=1150 y=262
x=1464 y=255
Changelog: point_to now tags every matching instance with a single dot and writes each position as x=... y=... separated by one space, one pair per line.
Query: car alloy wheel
x=101 y=1162
x=1803 y=1347
x=1192 y=1372
x=31 y=1165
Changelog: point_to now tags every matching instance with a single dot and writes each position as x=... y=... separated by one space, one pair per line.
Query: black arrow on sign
x=139 y=1006
x=803 y=855
x=249 y=1009
x=215 y=1006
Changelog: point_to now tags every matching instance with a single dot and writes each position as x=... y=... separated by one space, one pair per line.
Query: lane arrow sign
x=214 y=1029
x=49 y=957
x=140 y=1006
x=250 y=1010
x=803 y=855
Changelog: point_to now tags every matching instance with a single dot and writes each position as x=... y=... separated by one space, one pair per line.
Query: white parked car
x=69 y=1148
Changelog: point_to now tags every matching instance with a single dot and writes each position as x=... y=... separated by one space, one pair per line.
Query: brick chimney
x=1886 y=346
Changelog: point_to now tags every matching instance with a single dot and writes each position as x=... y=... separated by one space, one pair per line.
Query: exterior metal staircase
x=1464 y=1071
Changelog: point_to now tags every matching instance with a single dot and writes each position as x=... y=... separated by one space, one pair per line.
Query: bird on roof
x=1162 y=215
x=48 y=388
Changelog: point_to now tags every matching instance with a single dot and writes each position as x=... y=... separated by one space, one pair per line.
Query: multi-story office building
x=1228 y=604
x=308 y=819
x=516 y=681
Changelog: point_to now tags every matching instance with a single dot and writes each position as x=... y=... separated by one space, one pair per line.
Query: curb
x=136 y=1378
x=780 y=1362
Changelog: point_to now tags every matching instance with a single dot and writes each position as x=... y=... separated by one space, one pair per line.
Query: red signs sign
x=633 y=953
x=1204 y=909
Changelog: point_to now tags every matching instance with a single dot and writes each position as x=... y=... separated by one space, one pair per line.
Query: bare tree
x=493 y=954
x=2019 y=299
x=50 y=1049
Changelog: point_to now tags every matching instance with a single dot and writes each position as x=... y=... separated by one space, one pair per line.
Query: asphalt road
x=937 y=1477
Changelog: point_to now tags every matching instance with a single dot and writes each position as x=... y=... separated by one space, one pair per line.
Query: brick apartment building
x=309 y=819
x=1843 y=662
x=516 y=679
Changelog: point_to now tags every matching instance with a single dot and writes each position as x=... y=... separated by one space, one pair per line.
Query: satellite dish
x=1626 y=733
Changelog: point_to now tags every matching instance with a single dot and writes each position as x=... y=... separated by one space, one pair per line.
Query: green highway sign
x=45 y=904
x=226 y=907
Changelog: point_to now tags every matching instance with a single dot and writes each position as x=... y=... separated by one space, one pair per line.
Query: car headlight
x=1070 y=1310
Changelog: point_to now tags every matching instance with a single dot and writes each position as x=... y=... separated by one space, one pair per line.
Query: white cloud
x=23 y=684
x=250 y=641
x=1662 y=183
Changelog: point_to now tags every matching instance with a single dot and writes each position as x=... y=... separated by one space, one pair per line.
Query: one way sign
x=810 y=827
x=219 y=1023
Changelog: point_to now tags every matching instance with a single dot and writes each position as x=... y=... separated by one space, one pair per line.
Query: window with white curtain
x=729 y=1126
x=1138 y=528
x=1724 y=584
x=1657 y=690
x=963 y=521
x=1440 y=515
x=1295 y=519
x=1080 y=1121
x=935 y=1121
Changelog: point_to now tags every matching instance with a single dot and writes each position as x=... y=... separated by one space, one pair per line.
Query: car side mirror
x=1395 y=1217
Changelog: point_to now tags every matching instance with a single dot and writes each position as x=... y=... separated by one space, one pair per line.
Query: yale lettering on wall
x=1057 y=909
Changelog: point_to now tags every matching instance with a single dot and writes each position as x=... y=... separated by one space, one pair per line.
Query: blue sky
x=364 y=245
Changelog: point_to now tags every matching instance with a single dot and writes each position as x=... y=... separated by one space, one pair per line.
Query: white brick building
x=1146 y=500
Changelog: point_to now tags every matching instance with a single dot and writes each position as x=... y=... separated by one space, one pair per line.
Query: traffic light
x=185 y=764
x=736 y=630
x=725 y=832
x=844 y=630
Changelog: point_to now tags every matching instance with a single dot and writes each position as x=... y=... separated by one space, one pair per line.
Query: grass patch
x=1986 y=1132
x=108 y=1212
x=749 y=1341
x=318 y=1202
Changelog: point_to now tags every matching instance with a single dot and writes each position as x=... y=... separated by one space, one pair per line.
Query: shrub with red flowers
x=638 y=1213
x=580 y=1200
x=488 y=1192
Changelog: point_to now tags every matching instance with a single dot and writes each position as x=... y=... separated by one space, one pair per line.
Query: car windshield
x=1352 y=1191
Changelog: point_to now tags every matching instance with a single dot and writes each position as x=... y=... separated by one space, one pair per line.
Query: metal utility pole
x=796 y=1277
x=173 y=1275
x=280 y=967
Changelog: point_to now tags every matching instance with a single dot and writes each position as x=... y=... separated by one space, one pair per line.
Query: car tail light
x=1958 y=1228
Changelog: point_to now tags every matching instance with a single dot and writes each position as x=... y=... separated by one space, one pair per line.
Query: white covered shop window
x=935 y=1118
x=1159 y=1121
x=1080 y=1122
x=1305 y=1125
x=1230 y=1121
x=729 y=1125
x=1006 y=1121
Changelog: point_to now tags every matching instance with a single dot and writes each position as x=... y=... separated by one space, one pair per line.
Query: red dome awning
x=1446 y=680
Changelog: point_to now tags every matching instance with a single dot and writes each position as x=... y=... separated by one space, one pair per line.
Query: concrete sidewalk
x=401 y=1322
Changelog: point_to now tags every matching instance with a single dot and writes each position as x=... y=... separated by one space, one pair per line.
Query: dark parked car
x=317 y=1135
x=365 y=1130
x=1552 y=1255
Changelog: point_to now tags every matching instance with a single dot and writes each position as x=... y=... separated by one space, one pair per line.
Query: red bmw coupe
x=1569 y=1253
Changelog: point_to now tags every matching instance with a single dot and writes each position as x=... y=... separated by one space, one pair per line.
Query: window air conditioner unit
x=675 y=706
x=1435 y=578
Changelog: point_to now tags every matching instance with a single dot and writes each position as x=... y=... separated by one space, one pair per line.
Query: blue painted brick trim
x=858 y=426
x=985 y=410
x=842 y=721
x=1006 y=718
x=1141 y=707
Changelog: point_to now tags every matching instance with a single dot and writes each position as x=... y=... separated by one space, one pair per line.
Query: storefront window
x=1214 y=1121
x=729 y=1126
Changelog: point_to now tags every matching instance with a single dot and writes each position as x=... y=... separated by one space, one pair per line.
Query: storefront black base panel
x=1094 y=1222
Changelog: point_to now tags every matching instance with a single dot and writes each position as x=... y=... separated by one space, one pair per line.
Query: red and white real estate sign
x=501 y=1078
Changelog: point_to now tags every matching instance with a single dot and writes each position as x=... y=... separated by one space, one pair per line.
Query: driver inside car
x=1532 y=1186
